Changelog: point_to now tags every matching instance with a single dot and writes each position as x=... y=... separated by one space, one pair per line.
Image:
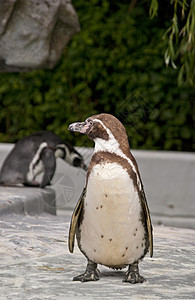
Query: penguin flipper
x=49 y=164
x=74 y=221
x=148 y=221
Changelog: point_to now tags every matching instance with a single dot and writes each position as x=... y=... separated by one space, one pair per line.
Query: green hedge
x=114 y=65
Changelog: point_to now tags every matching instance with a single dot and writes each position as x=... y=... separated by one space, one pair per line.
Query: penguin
x=111 y=220
x=35 y=154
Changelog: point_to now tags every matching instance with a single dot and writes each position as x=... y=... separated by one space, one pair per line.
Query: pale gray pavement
x=35 y=264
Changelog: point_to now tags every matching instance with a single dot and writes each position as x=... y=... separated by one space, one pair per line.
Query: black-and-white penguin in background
x=111 y=220
x=35 y=154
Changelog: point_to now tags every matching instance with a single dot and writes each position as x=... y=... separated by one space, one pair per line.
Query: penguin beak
x=84 y=167
x=81 y=127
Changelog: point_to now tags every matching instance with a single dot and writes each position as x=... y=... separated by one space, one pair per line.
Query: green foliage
x=153 y=12
x=180 y=38
x=114 y=65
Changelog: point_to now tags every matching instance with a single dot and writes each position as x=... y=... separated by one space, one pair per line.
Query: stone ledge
x=23 y=200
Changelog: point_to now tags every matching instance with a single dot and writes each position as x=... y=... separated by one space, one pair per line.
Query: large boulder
x=33 y=33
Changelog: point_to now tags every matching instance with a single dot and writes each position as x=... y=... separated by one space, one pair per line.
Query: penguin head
x=104 y=129
x=70 y=155
x=77 y=160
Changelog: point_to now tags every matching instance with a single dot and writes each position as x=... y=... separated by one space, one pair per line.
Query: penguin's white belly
x=111 y=232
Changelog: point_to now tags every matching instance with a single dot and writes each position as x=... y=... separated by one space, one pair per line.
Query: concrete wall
x=168 y=178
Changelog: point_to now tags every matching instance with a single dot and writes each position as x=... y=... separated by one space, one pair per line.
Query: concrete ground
x=35 y=264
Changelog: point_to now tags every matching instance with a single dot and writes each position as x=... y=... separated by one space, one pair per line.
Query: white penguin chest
x=111 y=232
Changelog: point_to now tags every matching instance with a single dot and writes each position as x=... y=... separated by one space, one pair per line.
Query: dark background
x=114 y=65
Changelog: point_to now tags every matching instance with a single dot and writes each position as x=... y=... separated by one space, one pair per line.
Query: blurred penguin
x=35 y=154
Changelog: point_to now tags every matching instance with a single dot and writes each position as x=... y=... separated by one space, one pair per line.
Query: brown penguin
x=111 y=220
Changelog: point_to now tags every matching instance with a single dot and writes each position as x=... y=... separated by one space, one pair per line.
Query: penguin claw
x=132 y=275
x=93 y=275
x=134 y=278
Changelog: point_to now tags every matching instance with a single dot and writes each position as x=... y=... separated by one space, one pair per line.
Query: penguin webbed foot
x=91 y=273
x=132 y=275
x=32 y=184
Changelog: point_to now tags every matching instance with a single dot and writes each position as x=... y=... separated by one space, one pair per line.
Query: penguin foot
x=132 y=275
x=32 y=184
x=91 y=273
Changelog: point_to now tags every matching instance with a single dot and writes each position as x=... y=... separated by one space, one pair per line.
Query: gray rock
x=34 y=33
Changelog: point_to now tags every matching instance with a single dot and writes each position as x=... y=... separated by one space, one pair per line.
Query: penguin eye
x=77 y=162
x=90 y=122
